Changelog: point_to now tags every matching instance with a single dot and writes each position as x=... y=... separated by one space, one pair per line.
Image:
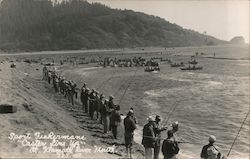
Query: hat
x=102 y=96
x=111 y=96
x=87 y=89
x=175 y=124
x=212 y=138
x=157 y=117
x=150 y=119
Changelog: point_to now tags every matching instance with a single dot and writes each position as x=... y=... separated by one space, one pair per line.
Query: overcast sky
x=223 y=19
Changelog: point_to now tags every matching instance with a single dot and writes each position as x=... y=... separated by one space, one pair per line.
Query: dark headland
x=31 y=25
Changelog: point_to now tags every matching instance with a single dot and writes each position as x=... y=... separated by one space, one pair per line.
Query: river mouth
x=212 y=101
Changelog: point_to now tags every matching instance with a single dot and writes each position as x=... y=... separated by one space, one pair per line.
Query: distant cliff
x=238 y=40
x=33 y=25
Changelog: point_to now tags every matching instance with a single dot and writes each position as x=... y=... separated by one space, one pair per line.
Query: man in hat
x=133 y=114
x=115 y=120
x=148 y=138
x=86 y=100
x=210 y=151
x=157 y=131
x=82 y=95
x=100 y=107
x=105 y=115
x=111 y=106
x=175 y=126
x=91 y=103
x=130 y=126
x=96 y=102
x=170 y=147
x=111 y=102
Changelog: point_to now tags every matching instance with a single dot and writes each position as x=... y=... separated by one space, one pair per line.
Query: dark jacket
x=129 y=124
x=170 y=147
x=204 y=151
x=111 y=104
x=148 y=139
x=105 y=111
x=115 y=118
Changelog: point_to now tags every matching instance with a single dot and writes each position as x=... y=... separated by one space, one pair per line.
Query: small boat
x=193 y=62
x=152 y=69
x=152 y=66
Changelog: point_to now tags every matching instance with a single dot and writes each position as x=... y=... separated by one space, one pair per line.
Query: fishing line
x=103 y=84
x=124 y=83
x=127 y=86
x=171 y=113
x=237 y=134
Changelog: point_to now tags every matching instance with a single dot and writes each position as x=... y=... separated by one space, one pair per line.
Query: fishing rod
x=237 y=134
x=170 y=113
x=179 y=142
x=127 y=87
x=102 y=85
x=124 y=83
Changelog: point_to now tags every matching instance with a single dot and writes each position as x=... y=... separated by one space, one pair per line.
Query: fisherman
x=72 y=92
x=86 y=100
x=82 y=95
x=111 y=102
x=157 y=131
x=96 y=102
x=69 y=90
x=55 y=83
x=148 y=138
x=111 y=106
x=100 y=107
x=130 y=126
x=105 y=115
x=115 y=120
x=210 y=151
x=170 y=147
x=49 y=76
x=91 y=103
x=44 y=72
x=133 y=115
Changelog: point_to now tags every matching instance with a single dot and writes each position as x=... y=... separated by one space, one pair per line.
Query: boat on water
x=193 y=62
x=151 y=66
x=152 y=69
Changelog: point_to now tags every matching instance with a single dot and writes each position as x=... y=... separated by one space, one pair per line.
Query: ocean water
x=212 y=101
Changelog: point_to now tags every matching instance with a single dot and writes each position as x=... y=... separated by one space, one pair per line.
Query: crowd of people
x=107 y=113
x=126 y=62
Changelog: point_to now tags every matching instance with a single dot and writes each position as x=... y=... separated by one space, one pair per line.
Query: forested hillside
x=33 y=25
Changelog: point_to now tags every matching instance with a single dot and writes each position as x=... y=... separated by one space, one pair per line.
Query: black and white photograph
x=124 y=79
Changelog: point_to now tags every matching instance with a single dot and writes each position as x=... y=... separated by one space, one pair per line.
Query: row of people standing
x=66 y=87
x=101 y=109
x=93 y=102
x=107 y=113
